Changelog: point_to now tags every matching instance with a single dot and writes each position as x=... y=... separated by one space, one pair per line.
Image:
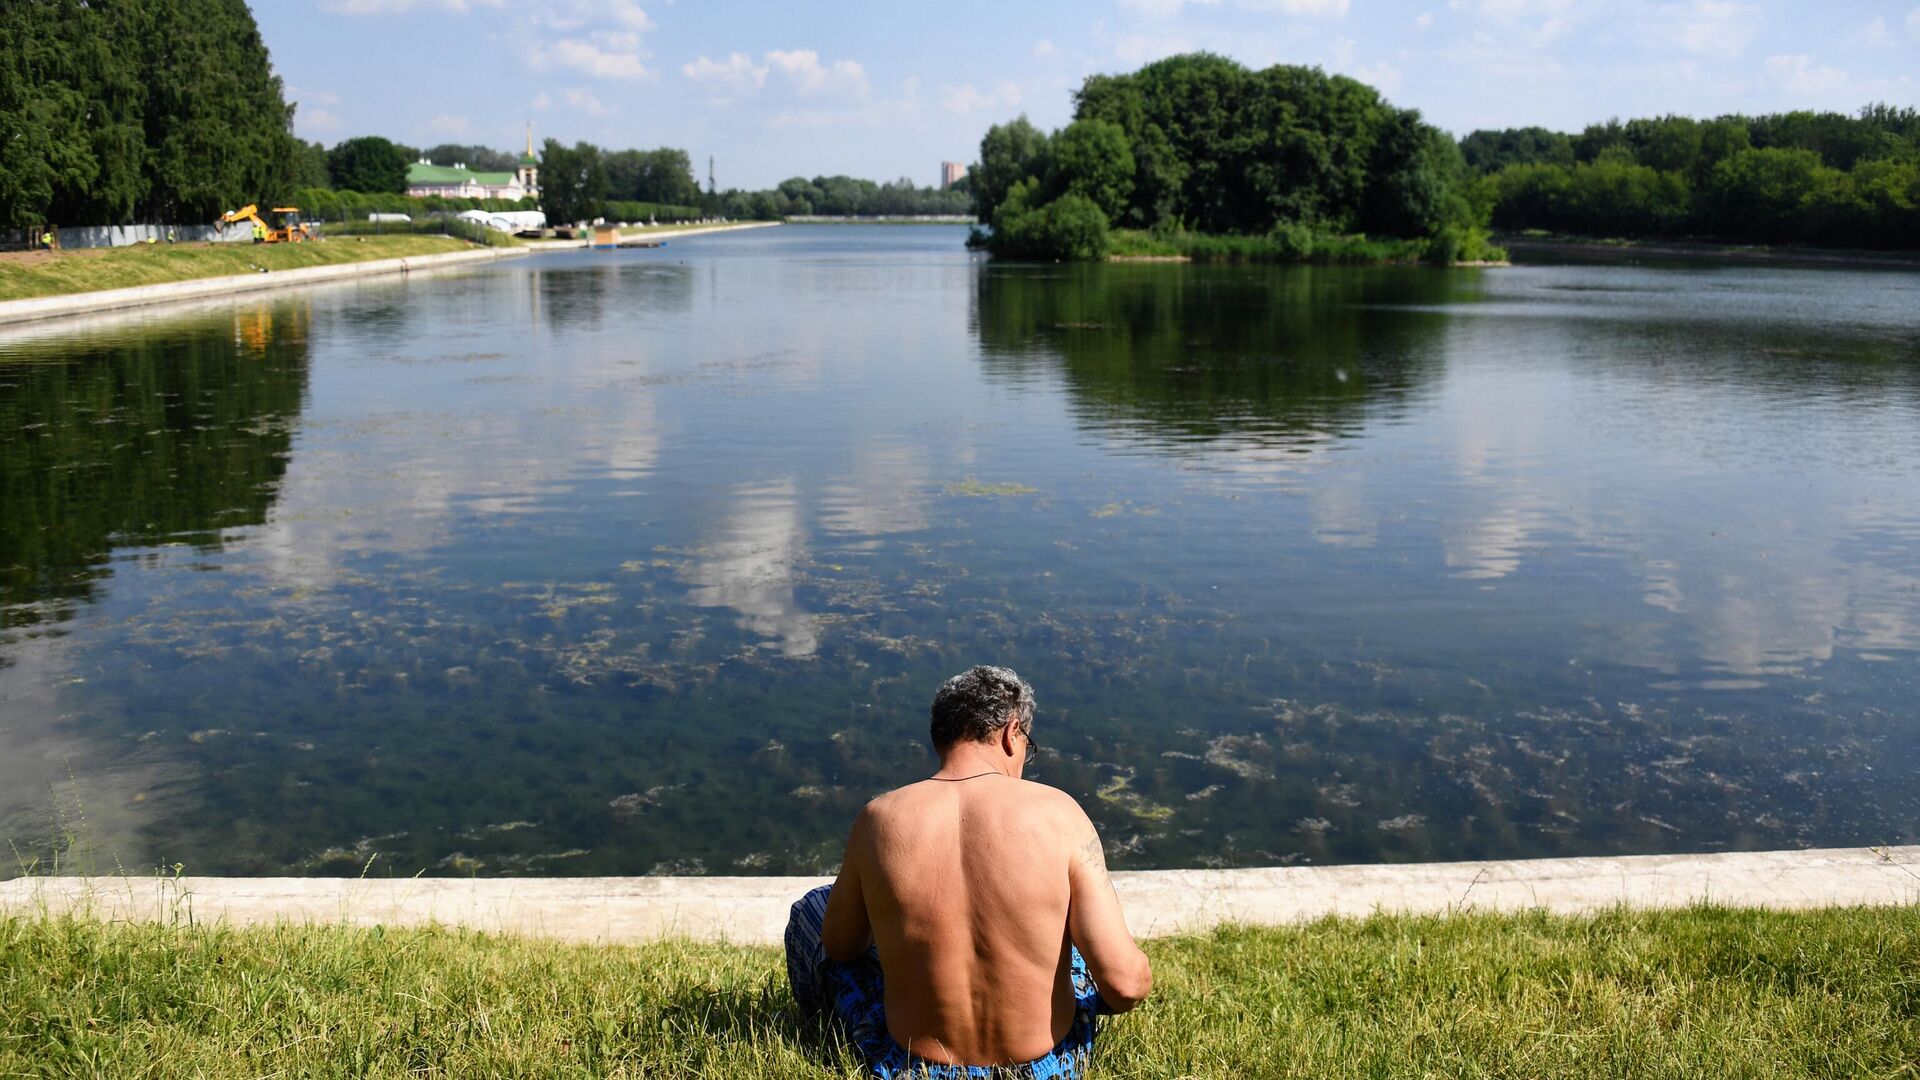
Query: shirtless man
x=978 y=894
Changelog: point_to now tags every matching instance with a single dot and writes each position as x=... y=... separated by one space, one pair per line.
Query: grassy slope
x=56 y=273
x=1698 y=992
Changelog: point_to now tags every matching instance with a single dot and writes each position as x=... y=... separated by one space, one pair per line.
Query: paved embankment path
x=753 y=910
x=654 y=234
x=53 y=307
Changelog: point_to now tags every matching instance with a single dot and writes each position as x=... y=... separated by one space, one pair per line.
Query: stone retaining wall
x=753 y=910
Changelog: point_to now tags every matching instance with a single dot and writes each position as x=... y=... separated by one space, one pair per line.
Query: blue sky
x=774 y=90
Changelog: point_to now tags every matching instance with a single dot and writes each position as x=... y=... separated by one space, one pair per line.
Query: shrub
x=1070 y=228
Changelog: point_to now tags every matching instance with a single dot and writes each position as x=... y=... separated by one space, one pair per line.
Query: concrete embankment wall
x=663 y=235
x=53 y=307
x=753 y=910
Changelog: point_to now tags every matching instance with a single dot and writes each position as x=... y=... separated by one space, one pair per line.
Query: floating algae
x=975 y=489
x=1115 y=509
x=1119 y=792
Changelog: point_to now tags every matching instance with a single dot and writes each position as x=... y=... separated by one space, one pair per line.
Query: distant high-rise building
x=951 y=172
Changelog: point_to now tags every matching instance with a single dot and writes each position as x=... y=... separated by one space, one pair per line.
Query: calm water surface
x=600 y=563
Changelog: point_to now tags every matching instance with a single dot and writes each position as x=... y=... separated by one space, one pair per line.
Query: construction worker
x=169 y=234
x=259 y=233
x=46 y=239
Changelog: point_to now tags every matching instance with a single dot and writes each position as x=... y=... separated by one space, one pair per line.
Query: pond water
x=593 y=563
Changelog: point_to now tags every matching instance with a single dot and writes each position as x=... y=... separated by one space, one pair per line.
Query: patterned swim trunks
x=856 y=994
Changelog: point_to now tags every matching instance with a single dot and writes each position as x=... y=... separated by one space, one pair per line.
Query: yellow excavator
x=291 y=229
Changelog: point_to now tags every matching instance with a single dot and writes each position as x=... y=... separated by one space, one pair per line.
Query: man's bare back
x=972 y=885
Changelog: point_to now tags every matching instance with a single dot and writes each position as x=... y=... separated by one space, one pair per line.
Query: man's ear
x=1006 y=736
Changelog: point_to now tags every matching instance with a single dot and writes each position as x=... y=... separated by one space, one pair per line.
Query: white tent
x=507 y=221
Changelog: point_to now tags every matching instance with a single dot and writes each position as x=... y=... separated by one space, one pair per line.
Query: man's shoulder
x=1036 y=796
x=1052 y=798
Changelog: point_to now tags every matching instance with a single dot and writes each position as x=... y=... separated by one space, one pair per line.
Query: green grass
x=1294 y=245
x=57 y=273
x=1288 y=246
x=1702 y=992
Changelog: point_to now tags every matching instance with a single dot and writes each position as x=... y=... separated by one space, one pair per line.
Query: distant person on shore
x=973 y=930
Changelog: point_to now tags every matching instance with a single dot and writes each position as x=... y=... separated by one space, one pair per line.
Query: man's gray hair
x=974 y=705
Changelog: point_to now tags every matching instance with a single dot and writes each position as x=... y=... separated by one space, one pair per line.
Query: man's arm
x=845 y=933
x=1098 y=927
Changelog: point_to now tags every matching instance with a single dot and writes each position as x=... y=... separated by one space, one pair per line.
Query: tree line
x=845 y=196
x=1796 y=177
x=116 y=112
x=1199 y=143
x=583 y=181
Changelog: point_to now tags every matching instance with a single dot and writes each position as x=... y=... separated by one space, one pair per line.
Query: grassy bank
x=40 y=273
x=1293 y=245
x=1535 y=241
x=1696 y=992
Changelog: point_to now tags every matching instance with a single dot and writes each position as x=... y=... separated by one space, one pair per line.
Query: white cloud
x=1382 y=76
x=1876 y=32
x=568 y=16
x=1800 y=75
x=1043 y=47
x=582 y=100
x=1508 y=10
x=542 y=102
x=1162 y=8
x=1308 y=8
x=446 y=126
x=401 y=7
x=313 y=97
x=737 y=70
x=967 y=98
x=589 y=58
x=1342 y=52
x=310 y=114
x=1423 y=20
x=1913 y=22
x=1145 y=48
x=317 y=120
x=891 y=114
x=1549 y=30
x=1711 y=27
x=800 y=69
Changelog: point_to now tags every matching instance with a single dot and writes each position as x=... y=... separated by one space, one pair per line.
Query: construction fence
x=336 y=223
x=99 y=236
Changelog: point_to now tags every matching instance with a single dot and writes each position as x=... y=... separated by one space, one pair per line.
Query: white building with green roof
x=424 y=178
x=458 y=181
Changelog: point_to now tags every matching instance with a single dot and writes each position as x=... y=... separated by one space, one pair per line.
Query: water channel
x=650 y=562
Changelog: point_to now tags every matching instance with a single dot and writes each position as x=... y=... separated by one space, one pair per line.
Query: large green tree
x=475 y=157
x=310 y=170
x=1009 y=153
x=120 y=110
x=116 y=110
x=218 y=127
x=664 y=175
x=370 y=164
x=1202 y=143
x=573 y=181
x=1091 y=158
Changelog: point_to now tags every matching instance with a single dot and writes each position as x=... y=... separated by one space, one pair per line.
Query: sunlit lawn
x=31 y=274
x=1702 y=992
